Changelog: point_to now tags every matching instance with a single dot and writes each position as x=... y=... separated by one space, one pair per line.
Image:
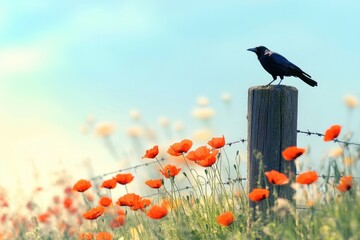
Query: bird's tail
x=307 y=79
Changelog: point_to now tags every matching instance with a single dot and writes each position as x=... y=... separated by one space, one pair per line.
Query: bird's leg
x=271 y=82
x=281 y=78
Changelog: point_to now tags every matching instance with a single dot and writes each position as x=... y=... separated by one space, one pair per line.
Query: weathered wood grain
x=272 y=126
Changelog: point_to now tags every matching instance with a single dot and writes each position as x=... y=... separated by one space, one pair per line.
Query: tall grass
x=318 y=211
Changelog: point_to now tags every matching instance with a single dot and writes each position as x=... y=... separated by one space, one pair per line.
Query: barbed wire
x=242 y=140
x=126 y=169
x=298 y=207
x=308 y=133
x=234 y=142
x=201 y=185
x=336 y=140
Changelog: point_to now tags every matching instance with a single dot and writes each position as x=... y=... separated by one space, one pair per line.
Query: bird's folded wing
x=283 y=62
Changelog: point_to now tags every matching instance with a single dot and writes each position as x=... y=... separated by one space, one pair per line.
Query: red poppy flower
x=345 y=184
x=170 y=171
x=118 y=221
x=43 y=218
x=258 y=194
x=86 y=236
x=68 y=190
x=307 y=177
x=94 y=213
x=179 y=148
x=120 y=211
x=217 y=142
x=129 y=199
x=109 y=184
x=276 y=177
x=203 y=156
x=105 y=201
x=157 y=212
x=81 y=185
x=141 y=204
x=67 y=202
x=56 y=199
x=209 y=160
x=124 y=178
x=291 y=153
x=103 y=236
x=152 y=153
x=225 y=219
x=156 y=183
x=332 y=133
x=72 y=210
x=199 y=154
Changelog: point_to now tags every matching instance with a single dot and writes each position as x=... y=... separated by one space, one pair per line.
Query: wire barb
x=125 y=169
x=309 y=133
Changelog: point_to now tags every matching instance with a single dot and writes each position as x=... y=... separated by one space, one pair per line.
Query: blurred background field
x=156 y=72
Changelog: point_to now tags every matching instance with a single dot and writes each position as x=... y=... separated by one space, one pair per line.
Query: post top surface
x=273 y=88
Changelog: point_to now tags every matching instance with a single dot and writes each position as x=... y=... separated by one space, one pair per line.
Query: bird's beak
x=252 y=50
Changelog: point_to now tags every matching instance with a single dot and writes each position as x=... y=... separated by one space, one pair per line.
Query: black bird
x=277 y=65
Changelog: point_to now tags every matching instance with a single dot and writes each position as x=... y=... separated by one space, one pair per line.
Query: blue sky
x=61 y=62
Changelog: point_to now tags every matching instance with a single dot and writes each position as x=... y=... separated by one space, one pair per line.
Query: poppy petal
x=332 y=133
x=225 y=219
x=292 y=152
x=307 y=177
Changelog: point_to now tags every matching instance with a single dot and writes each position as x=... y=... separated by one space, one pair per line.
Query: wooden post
x=272 y=126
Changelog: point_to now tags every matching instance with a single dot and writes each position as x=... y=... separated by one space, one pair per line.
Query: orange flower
x=157 y=212
x=332 y=133
x=307 y=177
x=43 y=218
x=141 y=204
x=170 y=171
x=103 y=236
x=105 y=201
x=217 y=142
x=276 y=177
x=56 y=199
x=258 y=194
x=209 y=160
x=124 y=178
x=68 y=190
x=67 y=202
x=129 y=199
x=85 y=236
x=152 y=153
x=203 y=156
x=199 y=154
x=120 y=211
x=94 y=213
x=109 y=184
x=179 y=148
x=225 y=219
x=156 y=183
x=291 y=153
x=81 y=185
x=345 y=184
x=118 y=221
